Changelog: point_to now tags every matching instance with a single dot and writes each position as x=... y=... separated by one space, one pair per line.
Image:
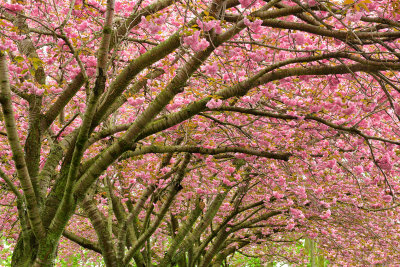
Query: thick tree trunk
x=24 y=254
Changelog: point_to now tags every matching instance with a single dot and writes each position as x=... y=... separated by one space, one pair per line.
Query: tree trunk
x=24 y=254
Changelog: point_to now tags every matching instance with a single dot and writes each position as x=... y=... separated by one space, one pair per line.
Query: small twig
x=66 y=125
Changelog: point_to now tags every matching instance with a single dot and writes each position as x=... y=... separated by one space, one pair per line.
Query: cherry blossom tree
x=187 y=132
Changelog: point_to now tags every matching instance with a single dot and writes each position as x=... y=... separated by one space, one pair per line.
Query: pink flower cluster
x=135 y=101
x=8 y=44
x=195 y=42
x=246 y=3
x=32 y=89
x=83 y=26
x=297 y=214
x=208 y=26
x=214 y=103
x=354 y=17
x=151 y=27
x=13 y=7
x=387 y=198
x=211 y=69
x=299 y=38
x=385 y=163
x=326 y=215
x=255 y=26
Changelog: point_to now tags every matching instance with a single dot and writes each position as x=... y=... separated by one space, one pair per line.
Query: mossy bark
x=24 y=254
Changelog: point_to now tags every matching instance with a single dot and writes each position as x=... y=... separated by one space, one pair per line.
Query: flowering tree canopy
x=185 y=132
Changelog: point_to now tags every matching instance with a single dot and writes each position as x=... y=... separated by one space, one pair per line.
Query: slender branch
x=352 y=130
x=183 y=231
x=201 y=226
x=10 y=183
x=176 y=187
x=62 y=101
x=355 y=36
x=100 y=226
x=81 y=241
x=66 y=125
x=135 y=18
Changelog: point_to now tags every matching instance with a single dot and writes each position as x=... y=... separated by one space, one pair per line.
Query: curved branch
x=208 y=151
x=352 y=130
x=355 y=36
x=100 y=226
x=81 y=241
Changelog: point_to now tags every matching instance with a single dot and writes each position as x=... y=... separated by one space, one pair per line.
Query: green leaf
x=19 y=59
x=36 y=62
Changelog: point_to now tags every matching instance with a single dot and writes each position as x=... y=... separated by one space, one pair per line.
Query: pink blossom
x=319 y=191
x=385 y=163
x=354 y=17
x=397 y=108
x=81 y=107
x=209 y=162
x=311 y=2
x=324 y=143
x=218 y=29
x=326 y=215
x=13 y=7
x=83 y=26
x=255 y=26
x=246 y=99
x=359 y=169
x=39 y=92
x=299 y=38
x=230 y=169
x=91 y=72
x=227 y=182
x=256 y=56
x=194 y=42
x=290 y=225
x=60 y=43
x=202 y=45
x=151 y=27
x=277 y=195
x=160 y=19
x=330 y=163
x=200 y=191
x=118 y=6
x=350 y=110
x=315 y=108
x=206 y=26
x=91 y=62
x=214 y=103
x=387 y=198
x=297 y=214
x=245 y=3
x=211 y=69
x=135 y=101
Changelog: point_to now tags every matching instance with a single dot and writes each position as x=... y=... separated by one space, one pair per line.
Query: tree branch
x=209 y=151
x=18 y=154
x=81 y=241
